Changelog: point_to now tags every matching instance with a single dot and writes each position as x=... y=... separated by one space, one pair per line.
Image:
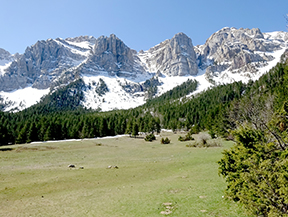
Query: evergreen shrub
x=150 y=137
x=165 y=141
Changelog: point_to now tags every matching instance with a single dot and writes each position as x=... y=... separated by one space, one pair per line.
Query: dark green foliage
x=5 y=136
x=150 y=137
x=32 y=134
x=255 y=168
x=65 y=98
x=180 y=91
x=135 y=129
x=165 y=141
x=256 y=172
x=212 y=133
x=154 y=125
x=195 y=129
x=101 y=88
x=188 y=137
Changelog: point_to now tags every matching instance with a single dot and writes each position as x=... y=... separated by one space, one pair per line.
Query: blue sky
x=141 y=24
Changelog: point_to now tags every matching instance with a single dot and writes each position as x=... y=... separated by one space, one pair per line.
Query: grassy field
x=35 y=179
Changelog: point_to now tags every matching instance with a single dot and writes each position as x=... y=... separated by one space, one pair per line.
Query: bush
x=195 y=129
x=205 y=141
x=256 y=172
x=165 y=141
x=207 y=144
x=150 y=137
x=187 y=137
x=212 y=134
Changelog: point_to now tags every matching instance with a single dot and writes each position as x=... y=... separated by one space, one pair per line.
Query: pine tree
x=32 y=134
x=135 y=129
x=22 y=136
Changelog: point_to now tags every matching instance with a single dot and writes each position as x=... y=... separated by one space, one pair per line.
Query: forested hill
x=209 y=110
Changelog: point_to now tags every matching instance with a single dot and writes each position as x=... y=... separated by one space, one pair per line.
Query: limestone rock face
x=173 y=57
x=80 y=39
x=4 y=55
x=112 y=55
x=5 y=60
x=236 y=44
x=39 y=65
x=238 y=50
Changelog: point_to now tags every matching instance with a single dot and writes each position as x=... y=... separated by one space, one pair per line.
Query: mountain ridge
x=228 y=55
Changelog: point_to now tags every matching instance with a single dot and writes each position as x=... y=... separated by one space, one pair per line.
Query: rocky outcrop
x=4 y=55
x=80 y=39
x=174 y=57
x=110 y=54
x=240 y=49
x=5 y=60
x=39 y=66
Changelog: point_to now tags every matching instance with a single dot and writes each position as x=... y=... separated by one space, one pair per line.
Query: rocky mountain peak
x=110 y=44
x=80 y=39
x=220 y=44
x=111 y=54
x=173 y=57
x=4 y=55
x=238 y=50
x=40 y=64
x=181 y=44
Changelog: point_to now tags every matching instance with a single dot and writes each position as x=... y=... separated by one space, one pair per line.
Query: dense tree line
x=17 y=128
x=49 y=120
x=60 y=116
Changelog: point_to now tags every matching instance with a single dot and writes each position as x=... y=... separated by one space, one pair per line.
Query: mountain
x=114 y=76
x=5 y=60
x=60 y=115
x=240 y=54
x=174 y=57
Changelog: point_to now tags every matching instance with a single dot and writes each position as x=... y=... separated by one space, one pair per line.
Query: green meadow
x=152 y=179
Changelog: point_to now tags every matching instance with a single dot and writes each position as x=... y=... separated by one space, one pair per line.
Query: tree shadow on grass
x=6 y=149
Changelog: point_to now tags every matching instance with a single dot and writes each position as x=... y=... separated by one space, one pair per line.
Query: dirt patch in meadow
x=38 y=148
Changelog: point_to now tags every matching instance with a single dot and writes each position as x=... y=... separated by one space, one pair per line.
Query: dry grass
x=35 y=179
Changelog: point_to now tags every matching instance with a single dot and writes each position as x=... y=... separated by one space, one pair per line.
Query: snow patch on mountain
x=83 y=44
x=4 y=64
x=20 y=99
x=115 y=98
x=229 y=76
x=74 y=47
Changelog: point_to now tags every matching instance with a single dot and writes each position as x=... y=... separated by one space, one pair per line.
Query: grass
x=35 y=179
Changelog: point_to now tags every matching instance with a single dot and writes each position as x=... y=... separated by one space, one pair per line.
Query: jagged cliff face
x=238 y=50
x=111 y=55
x=174 y=57
x=228 y=55
x=4 y=55
x=41 y=64
x=5 y=60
